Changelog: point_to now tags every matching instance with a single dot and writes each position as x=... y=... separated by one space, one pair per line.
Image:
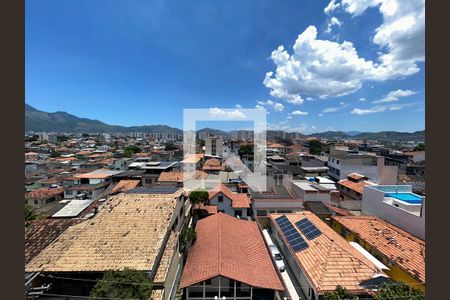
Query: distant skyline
x=314 y=65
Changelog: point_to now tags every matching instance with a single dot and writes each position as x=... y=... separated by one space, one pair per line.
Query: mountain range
x=40 y=121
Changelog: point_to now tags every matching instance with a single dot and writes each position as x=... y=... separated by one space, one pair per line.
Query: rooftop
x=42 y=232
x=329 y=260
x=127 y=232
x=232 y=248
x=355 y=186
x=125 y=185
x=237 y=200
x=278 y=192
x=405 y=250
x=98 y=174
x=45 y=193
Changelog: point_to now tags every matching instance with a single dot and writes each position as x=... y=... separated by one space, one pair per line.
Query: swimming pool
x=406 y=197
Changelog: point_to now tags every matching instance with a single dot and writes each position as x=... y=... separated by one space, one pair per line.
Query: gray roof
x=277 y=193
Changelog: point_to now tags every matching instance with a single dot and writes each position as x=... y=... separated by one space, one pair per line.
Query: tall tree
x=398 y=290
x=126 y=284
x=199 y=197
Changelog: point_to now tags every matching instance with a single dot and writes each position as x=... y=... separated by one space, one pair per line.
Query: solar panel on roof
x=291 y=234
x=308 y=229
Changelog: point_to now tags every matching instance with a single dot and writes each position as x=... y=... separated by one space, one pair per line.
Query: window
x=238 y=212
x=221 y=210
x=36 y=202
x=337 y=161
x=220 y=199
x=68 y=192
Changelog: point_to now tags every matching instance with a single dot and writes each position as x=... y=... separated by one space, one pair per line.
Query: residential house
x=229 y=259
x=315 y=189
x=43 y=196
x=402 y=253
x=351 y=190
x=396 y=204
x=137 y=230
x=373 y=167
x=90 y=185
x=153 y=169
x=320 y=259
x=277 y=199
x=233 y=204
x=213 y=166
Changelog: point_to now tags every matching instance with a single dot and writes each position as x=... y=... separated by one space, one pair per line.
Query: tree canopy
x=198 y=196
x=131 y=150
x=30 y=215
x=420 y=147
x=340 y=293
x=315 y=146
x=126 y=284
x=398 y=290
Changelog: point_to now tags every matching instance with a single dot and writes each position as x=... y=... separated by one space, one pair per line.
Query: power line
x=171 y=285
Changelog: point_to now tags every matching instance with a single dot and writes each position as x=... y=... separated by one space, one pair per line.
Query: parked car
x=278 y=258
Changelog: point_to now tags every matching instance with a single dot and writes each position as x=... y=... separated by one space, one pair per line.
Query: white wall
x=372 y=204
x=226 y=205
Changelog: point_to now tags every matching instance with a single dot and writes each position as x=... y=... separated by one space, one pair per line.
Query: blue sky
x=142 y=62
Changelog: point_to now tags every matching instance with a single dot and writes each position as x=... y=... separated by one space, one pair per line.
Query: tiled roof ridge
x=387 y=224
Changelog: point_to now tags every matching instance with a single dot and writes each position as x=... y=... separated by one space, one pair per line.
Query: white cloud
x=289 y=117
x=278 y=107
x=299 y=113
x=319 y=68
x=395 y=95
x=402 y=33
x=332 y=22
x=378 y=109
x=259 y=106
x=320 y=115
x=331 y=6
x=238 y=106
x=362 y=99
x=303 y=128
x=359 y=111
x=275 y=105
x=226 y=114
x=324 y=68
x=341 y=106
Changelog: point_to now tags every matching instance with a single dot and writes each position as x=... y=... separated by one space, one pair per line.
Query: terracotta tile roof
x=275 y=146
x=213 y=168
x=211 y=209
x=126 y=232
x=83 y=153
x=64 y=159
x=142 y=154
x=237 y=200
x=42 y=232
x=355 y=186
x=232 y=248
x=44 y=193
x=329 y=259
x=212 y=162
x=177 y=176
x=192 y=158
x=125 y=185
x=338 y=210
x=356 y=176
x=405 y=250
